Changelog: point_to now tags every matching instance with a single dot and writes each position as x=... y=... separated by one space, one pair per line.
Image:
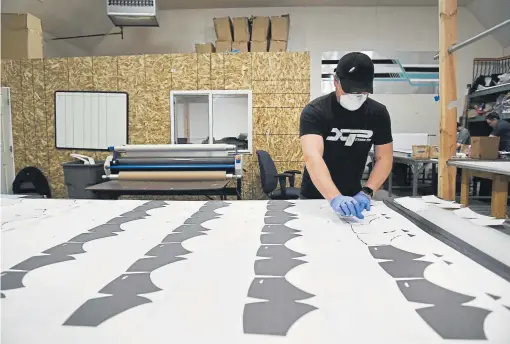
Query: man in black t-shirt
x=500 y=128
x=337 y=132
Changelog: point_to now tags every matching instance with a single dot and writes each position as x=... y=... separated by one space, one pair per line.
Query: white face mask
x=351 y=101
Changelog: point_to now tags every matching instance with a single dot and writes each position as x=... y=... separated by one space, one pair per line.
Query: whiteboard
x=91 y=120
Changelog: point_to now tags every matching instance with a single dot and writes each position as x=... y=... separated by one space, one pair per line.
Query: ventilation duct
x=132 y=12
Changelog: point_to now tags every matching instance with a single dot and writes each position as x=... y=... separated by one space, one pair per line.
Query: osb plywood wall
x=280 y=84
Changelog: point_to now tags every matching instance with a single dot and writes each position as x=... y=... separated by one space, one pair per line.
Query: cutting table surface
x=92 y=271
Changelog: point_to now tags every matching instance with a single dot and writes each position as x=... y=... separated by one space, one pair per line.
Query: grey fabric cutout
x=276 y=289
x=279 y=213
x=191 y=228
x=132 y=284
x=456 y=321
x=181 y=237
x=91 y=236
x=108 y=228
x=405 y=268
x=150 y=205
x=96 y=311
x=65 y=249
x=167 y=250
x=423 y=291
x=135 y=215
x=278 y=252
x=275 y=267
x=36 y=262
x=273 y=318
x=118 y=220
x=203 y=217
x=392 y=253
x=438 y=255
x=278 y=205
x=12 y=279
x=213 y=205
x=278 y=229
x=277 y=238
x=494 y=297
x=447 y=262
x=2 y=296
x=150 y=264
x=279 y=220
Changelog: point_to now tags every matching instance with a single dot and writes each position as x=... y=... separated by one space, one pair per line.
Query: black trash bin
x=78 y=176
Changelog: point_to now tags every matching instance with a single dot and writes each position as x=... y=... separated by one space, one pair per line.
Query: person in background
x=501 y=129
x=337 y=131
x=463 y=136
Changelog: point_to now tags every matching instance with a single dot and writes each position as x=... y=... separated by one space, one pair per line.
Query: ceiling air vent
x=132 y=12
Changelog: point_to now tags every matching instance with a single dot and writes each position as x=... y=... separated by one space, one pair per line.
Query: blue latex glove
x=346 y=206
x=363 y=200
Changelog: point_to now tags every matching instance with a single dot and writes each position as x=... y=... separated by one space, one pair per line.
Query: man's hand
x=363 y=200
x=346 y=206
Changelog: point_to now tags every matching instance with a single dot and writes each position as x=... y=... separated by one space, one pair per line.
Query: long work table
x=497 y=171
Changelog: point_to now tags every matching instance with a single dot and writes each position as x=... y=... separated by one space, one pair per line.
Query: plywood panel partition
x=280 y=84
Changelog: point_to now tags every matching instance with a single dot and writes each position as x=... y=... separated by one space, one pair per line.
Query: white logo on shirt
x=349 y=136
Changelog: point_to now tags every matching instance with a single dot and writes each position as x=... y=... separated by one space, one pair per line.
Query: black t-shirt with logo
x=348 y=137
x=502 y=130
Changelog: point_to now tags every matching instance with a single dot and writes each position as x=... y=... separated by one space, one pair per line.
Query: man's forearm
x=380 y=173
x=321 y=177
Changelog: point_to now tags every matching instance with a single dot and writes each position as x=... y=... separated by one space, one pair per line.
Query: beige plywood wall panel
x=29 y=127
x=281 y=86
x=105 y=73
x=276 y=120
x=281 y=66
x=237 y=71
x=217 y=72
x=41 y=138
x=11 y=77
x=204 y=71
x=184 y=72
x=280 y=100
x=158 y=72
x=280 y=147
x=157 y=118
x=80 y=74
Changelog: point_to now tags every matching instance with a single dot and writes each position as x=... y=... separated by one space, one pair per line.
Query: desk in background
x=497 y=171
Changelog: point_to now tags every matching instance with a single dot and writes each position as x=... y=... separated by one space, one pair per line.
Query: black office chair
x=30 y=181
x=270 y=179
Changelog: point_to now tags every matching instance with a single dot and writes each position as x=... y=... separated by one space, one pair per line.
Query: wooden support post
x=499 y=196
x=464 y=188
x=447 y=94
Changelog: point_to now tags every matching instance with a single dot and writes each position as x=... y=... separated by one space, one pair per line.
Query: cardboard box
x=259 y=47
x=241 y=47
x=278 y=46
x=223 y=28
x=484 y=147
x=241 y=29
x=204 y=48
x=421 y=151
x=280 y=28
x=433 y=152
x=20 y=21
x=223 y=46
x=260 y=28
x=22 y=44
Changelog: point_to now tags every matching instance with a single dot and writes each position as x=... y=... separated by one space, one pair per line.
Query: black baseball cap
x=356 y=73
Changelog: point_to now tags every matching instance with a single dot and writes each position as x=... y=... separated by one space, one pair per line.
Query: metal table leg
x=416 y=171
x=390 y=183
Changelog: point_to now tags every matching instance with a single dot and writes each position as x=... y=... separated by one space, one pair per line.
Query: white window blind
x=91 y=120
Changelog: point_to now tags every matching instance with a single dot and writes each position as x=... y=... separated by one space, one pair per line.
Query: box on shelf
x=484 y=147
x=260 y=28
x=241 y=47
x=280 y=28
x=223 y=46
x=241 y=29
x=22 y=36
x=204 y=48
x=223 y=28
x=278 y=46
x=421 y=152
x=259 y=47
x=433 y=152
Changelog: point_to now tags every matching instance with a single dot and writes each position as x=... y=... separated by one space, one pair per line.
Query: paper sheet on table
x=413 y=204
x=488 y=222
x=467 y=213
x=448 y=205
x=434 y=199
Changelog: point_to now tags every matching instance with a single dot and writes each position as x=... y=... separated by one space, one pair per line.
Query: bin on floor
x=78 y=176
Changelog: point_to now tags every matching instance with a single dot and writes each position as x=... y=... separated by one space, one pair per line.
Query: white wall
x=61 y=48
x=319 y=29
x=506 y=52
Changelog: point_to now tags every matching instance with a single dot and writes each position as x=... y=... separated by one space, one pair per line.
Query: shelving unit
x=491 y=90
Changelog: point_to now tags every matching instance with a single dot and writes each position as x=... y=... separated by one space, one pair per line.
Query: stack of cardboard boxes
x=22 y=36
x=258 y=34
